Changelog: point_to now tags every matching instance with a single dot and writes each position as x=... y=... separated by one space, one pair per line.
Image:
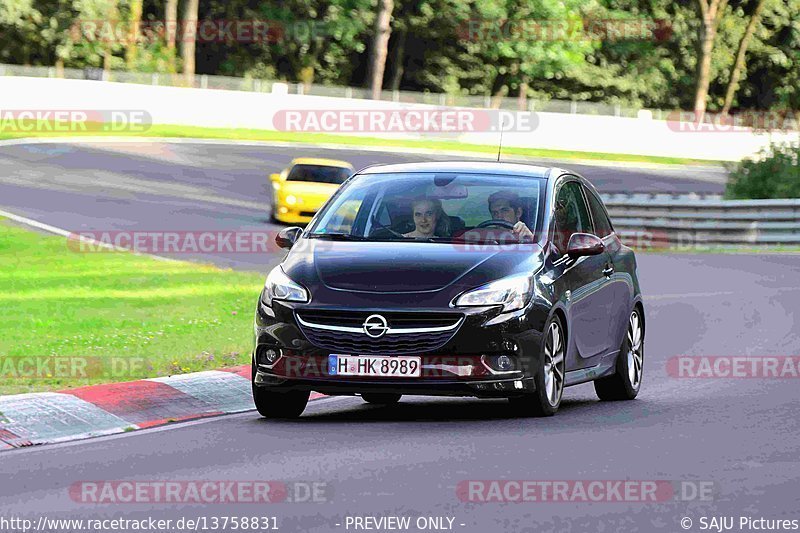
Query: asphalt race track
x=201 y=187
x=739 y=439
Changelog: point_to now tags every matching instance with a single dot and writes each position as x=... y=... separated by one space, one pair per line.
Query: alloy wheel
x=554 y=364
x=635 y=353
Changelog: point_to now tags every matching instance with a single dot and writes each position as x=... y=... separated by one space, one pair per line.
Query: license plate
x=369 y=365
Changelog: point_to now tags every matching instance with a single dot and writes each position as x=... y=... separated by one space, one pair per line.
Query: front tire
x=549 y=379
x=272 y=214
x=381 y=398
x=272 y=403
x=625 y=383
x=280 y=404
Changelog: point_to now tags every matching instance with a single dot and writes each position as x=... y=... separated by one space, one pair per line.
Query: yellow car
x=300 y=190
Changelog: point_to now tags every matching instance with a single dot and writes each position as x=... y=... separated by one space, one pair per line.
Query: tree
x=775 y=173
x=380 y=47
x=19 y=22
x=135 y=21
x=522 y=44
x=189 y=38
x=711 y=13
x=171 y=24
x=738 y=65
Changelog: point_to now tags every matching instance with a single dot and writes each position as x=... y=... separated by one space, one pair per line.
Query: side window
x=602 y=225
x=571 y=215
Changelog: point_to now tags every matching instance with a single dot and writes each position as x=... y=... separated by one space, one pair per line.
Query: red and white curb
x=49 y=417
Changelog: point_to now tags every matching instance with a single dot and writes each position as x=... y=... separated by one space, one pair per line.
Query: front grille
x=358 y=342
x=307 y=213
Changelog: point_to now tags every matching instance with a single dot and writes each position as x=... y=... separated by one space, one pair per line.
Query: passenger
x=506 y=205
x=430 y=220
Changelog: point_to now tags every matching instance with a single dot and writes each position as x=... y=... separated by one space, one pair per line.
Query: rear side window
x=602 y=225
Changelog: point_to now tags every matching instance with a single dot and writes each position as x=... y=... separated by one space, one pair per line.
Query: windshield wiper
x=337 y=236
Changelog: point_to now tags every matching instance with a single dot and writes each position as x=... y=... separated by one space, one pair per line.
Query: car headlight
x=291 y=200
x=512 y=293
x=279 y=286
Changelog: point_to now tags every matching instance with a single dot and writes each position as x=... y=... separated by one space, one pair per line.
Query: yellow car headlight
x=291 y=200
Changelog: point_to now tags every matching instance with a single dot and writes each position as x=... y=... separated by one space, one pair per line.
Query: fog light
x=500 y=363
x=268 y=356
x=504 y=363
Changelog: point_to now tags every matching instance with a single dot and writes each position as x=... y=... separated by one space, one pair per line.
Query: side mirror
x=288 y=236
x=581 y=244
x=275 y=177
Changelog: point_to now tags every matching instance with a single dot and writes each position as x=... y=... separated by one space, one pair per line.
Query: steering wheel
x=496 y=222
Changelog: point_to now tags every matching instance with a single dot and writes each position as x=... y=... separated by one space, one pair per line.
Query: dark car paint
x=381 y=277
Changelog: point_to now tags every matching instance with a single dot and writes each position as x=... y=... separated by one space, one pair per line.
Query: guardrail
x=662 y=221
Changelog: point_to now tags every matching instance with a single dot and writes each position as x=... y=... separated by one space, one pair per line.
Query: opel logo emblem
x=375 y=326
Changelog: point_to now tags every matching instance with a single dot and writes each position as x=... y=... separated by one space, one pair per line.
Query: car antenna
x=500 y=147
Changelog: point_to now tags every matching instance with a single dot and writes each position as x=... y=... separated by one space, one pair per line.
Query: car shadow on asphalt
x=421 y=409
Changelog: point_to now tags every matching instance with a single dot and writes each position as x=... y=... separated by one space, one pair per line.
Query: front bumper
x=293 y=215
x=464 y=366
x=487 y=388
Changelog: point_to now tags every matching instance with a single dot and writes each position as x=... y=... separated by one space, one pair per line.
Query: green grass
x=174 y=131
x=128 y=316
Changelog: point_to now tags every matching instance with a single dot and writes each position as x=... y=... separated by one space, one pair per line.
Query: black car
x=461 y=279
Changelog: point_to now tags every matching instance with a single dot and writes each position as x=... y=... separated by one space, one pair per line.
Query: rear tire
x=549 y=379
x=381 y=398
x=625 y=383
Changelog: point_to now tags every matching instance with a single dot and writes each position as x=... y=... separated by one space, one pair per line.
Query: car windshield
x=318 y=174
x=434 y=207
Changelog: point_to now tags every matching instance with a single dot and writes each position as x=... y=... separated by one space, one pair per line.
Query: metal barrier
x=662 y=221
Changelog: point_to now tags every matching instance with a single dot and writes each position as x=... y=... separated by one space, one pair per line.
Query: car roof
x=321 y=162
x=466 y=167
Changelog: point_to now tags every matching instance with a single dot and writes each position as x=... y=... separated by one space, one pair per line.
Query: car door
x=620 y=281
x=583 y=282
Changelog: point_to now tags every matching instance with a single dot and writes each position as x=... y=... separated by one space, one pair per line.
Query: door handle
x=608 y=270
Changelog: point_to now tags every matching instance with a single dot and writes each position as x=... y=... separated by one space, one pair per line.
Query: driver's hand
x=523 y=233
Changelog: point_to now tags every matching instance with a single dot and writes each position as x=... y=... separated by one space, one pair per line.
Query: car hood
x=402 y=267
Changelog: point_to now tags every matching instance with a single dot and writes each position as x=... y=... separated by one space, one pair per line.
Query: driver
x=506 y=205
